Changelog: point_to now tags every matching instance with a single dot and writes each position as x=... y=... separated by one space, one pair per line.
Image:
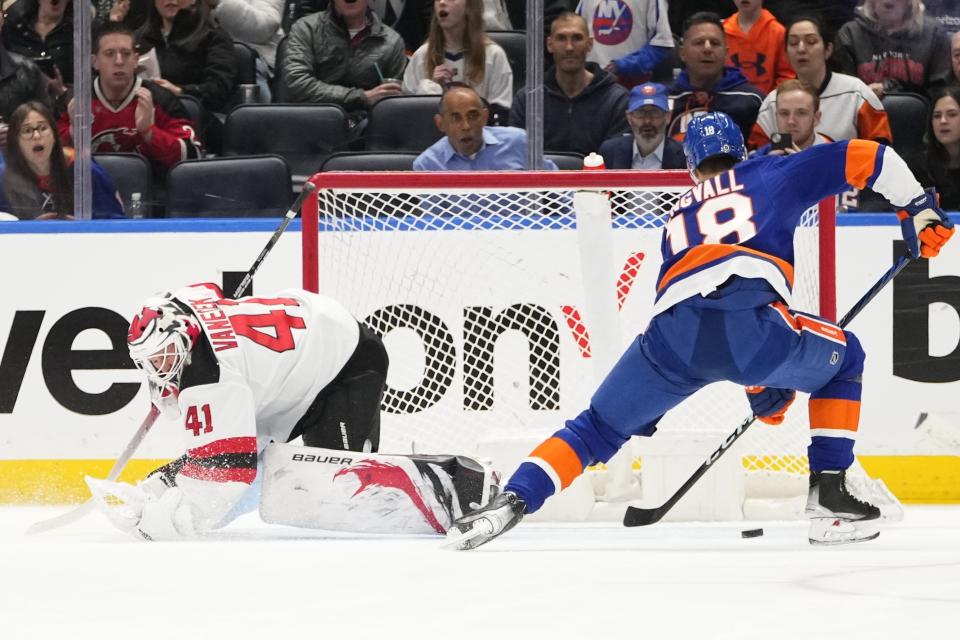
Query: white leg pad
x=367 y=492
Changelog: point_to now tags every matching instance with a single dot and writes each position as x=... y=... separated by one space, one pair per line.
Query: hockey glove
x=149 y=510
x=770 y=404
x=926 y=228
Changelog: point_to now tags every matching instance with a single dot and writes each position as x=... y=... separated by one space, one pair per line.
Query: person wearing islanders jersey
x=241 y=373
x=722 y=313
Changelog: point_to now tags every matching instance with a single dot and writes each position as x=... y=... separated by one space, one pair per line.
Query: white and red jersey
x=258 y=366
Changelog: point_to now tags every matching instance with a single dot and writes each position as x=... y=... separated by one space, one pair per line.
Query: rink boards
x=69 y=400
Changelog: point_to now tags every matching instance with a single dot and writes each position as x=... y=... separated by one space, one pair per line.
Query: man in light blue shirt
x=468 y=145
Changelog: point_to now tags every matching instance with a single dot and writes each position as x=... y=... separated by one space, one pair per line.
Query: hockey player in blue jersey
x=721 y=313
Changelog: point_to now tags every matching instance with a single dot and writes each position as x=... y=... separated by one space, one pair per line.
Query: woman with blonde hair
x=893 y=46
x=458 y=50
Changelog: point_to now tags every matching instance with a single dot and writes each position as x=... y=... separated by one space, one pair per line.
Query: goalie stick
x=82 y=510
x=639 y=517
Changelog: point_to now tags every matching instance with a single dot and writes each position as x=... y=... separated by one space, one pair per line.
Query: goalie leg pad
x=370 y=493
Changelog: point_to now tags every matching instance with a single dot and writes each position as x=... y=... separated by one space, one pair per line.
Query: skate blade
x=458 y=540
x=837 y=531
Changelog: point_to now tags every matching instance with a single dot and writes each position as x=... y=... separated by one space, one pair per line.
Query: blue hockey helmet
x=712 y=134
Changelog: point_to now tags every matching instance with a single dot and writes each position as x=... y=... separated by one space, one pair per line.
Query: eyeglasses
x=28 y=131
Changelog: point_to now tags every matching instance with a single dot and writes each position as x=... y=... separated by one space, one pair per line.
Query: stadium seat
x=246 y=90
x=514 y=44
x=196 y=111
x=403 y=123
x=370 y=161
x=908 y=114
x=131 y=173
x=565 y=161
x=302 y=134
x=236 y=186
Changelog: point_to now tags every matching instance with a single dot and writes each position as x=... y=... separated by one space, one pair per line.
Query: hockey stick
x=638 y=517
x=121 y=463
x=308 y=188
x=77 y=513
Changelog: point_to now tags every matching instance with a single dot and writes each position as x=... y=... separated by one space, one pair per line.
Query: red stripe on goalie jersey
x=226 y=460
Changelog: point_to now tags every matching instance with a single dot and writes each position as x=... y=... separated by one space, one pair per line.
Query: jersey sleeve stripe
x=862 y=163
x=247 y=444
x=219 y=474
x=704 y=256
x=561 y=457
x=232 y=460
x=834 y=414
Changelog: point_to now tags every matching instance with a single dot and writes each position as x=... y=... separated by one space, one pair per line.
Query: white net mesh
x=478 y=291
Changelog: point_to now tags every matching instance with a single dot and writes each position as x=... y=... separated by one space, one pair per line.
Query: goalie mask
x=160 y=338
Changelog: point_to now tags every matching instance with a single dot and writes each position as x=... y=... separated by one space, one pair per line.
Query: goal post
x=497 y=295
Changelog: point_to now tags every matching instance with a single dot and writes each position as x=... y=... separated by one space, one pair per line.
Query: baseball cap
x=649 y=93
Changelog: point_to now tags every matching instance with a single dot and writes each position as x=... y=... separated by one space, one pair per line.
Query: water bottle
x=593 y=162
x=136 y=206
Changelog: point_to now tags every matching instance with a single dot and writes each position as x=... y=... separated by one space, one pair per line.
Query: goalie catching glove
x=150 y=510
x=770 y=404
x=926 y=228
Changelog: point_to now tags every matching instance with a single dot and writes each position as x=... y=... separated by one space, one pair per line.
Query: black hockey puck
x=751 y=533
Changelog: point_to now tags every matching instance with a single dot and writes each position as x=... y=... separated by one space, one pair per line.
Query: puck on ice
x=751 y=533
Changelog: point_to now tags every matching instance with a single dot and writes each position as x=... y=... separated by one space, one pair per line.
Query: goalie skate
x=836 y=516
x=483 y=525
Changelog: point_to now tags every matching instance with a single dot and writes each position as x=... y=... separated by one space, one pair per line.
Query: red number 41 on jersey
x=194 y=423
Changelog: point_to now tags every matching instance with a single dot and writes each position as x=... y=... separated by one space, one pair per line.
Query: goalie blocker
x=370 y=493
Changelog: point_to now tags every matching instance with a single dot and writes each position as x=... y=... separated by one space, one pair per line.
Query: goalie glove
x=149 y=510
x=770 y=404
x=926 y=228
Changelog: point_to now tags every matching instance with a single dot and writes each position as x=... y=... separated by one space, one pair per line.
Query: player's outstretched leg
x=836 y=516
x=483 y=525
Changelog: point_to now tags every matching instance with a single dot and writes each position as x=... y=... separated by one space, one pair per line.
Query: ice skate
x=837 y=516
x=483 y=525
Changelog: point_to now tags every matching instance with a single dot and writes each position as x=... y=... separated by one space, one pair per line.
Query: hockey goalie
x=246 y=377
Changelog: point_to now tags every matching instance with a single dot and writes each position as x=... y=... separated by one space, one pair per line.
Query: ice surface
x=590 y=581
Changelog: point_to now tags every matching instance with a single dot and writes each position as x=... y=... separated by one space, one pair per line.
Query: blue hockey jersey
x=742 y=222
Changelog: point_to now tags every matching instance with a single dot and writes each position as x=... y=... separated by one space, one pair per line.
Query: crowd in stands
x=622 y=78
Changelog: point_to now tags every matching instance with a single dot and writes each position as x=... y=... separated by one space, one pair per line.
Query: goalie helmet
x=160 y=338
x=712 y=134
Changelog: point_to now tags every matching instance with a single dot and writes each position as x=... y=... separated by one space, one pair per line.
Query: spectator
x=582 y=103
x=647 y=147
x=469 y=145
x=755 y=45
x=20 y=80
x=409 y=18
x=797 y=114
x=850 y=109
x=344 y=55
x=706 y=85
x=892 y=46
x=131 y=114
x=256 y=23
x=43 y=31
x=943 y=147
x=196 y=58
x=458 y=50
x=37 y=179
x=630 y=37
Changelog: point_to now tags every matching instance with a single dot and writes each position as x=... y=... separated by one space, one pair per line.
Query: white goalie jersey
x=260 y=363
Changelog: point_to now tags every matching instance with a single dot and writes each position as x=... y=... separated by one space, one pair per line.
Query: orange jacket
x=760 y=54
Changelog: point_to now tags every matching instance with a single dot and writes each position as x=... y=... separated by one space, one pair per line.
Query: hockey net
x=504 y=297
